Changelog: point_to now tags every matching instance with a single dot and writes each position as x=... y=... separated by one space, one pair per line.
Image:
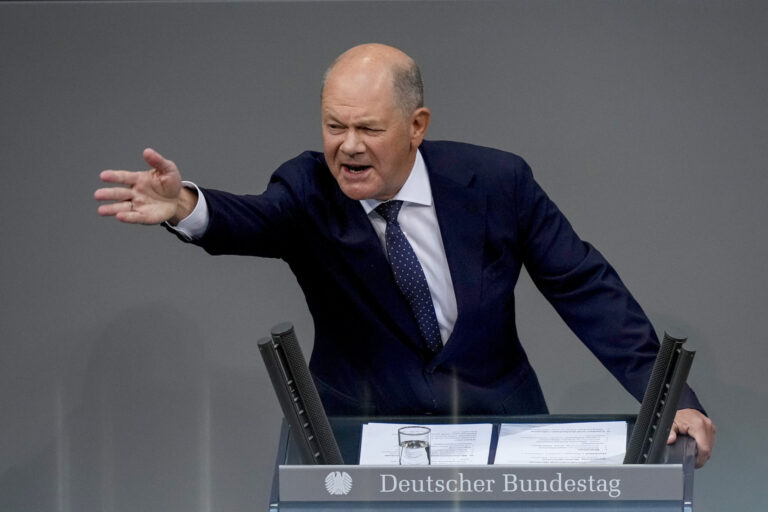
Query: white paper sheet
x=450 y=444
x=562 y=443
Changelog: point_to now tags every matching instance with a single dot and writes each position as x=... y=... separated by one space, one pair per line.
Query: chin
x=355 y=193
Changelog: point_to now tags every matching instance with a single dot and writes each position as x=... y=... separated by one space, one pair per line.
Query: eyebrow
x=365 y=122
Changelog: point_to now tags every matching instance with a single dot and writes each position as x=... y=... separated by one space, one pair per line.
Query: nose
x=352 y=144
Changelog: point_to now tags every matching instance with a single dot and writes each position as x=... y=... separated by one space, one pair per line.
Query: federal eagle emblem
x=338 y=483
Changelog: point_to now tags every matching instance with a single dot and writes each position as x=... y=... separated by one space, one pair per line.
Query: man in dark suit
x=408 y=252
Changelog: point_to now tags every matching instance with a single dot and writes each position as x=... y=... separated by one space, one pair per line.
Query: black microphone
x=298 y=397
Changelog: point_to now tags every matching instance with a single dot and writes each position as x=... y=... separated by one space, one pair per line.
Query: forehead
x=358 y=92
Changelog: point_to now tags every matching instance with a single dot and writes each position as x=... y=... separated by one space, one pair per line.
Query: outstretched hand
x=146 y=197
x=699 y=427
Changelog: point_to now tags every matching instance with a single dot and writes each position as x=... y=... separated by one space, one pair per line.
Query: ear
x=419 y=124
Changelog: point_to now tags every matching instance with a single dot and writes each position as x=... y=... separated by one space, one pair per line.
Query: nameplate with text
x=647 y=482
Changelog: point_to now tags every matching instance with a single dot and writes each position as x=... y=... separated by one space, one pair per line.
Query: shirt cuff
x=192 y=226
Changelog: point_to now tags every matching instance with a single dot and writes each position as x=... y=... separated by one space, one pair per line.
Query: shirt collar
x=416 y=188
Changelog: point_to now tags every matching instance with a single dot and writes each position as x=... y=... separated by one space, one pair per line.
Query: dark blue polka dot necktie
x=409 y=275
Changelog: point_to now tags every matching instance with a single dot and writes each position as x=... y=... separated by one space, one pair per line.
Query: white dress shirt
x=417 y=219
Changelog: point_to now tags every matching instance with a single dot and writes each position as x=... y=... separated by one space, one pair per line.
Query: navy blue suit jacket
x=368 y=357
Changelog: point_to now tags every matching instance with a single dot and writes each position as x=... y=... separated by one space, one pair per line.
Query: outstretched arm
x=699 y=427
x=146 y=197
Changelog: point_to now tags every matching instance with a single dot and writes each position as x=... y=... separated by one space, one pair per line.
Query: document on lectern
x=562 y=443
x=459 y=444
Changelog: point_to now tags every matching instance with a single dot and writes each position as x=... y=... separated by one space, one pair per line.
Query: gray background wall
x=129 y=374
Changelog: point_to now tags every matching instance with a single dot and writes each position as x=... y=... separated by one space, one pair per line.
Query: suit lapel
x=461 y=215
x=360 y=247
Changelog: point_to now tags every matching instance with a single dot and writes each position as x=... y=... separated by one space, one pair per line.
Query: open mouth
x=355 y=168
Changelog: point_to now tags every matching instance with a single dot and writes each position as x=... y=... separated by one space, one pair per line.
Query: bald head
x=385 y=66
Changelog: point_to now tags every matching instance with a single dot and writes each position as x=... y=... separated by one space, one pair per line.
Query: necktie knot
x=389 y=210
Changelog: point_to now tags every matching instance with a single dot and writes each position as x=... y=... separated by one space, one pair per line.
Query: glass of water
x=414 y=446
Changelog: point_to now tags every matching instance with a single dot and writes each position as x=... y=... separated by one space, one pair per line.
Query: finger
x=157 y=161
x=130 y=217
x=121 y=177
x=115 y=208
x=704 y=440
x=703 y=452
x=672 y=434
x=701 y=457
x=113 y=194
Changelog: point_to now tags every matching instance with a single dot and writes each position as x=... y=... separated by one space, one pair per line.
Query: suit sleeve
x=254 y=225
x=586 y=291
